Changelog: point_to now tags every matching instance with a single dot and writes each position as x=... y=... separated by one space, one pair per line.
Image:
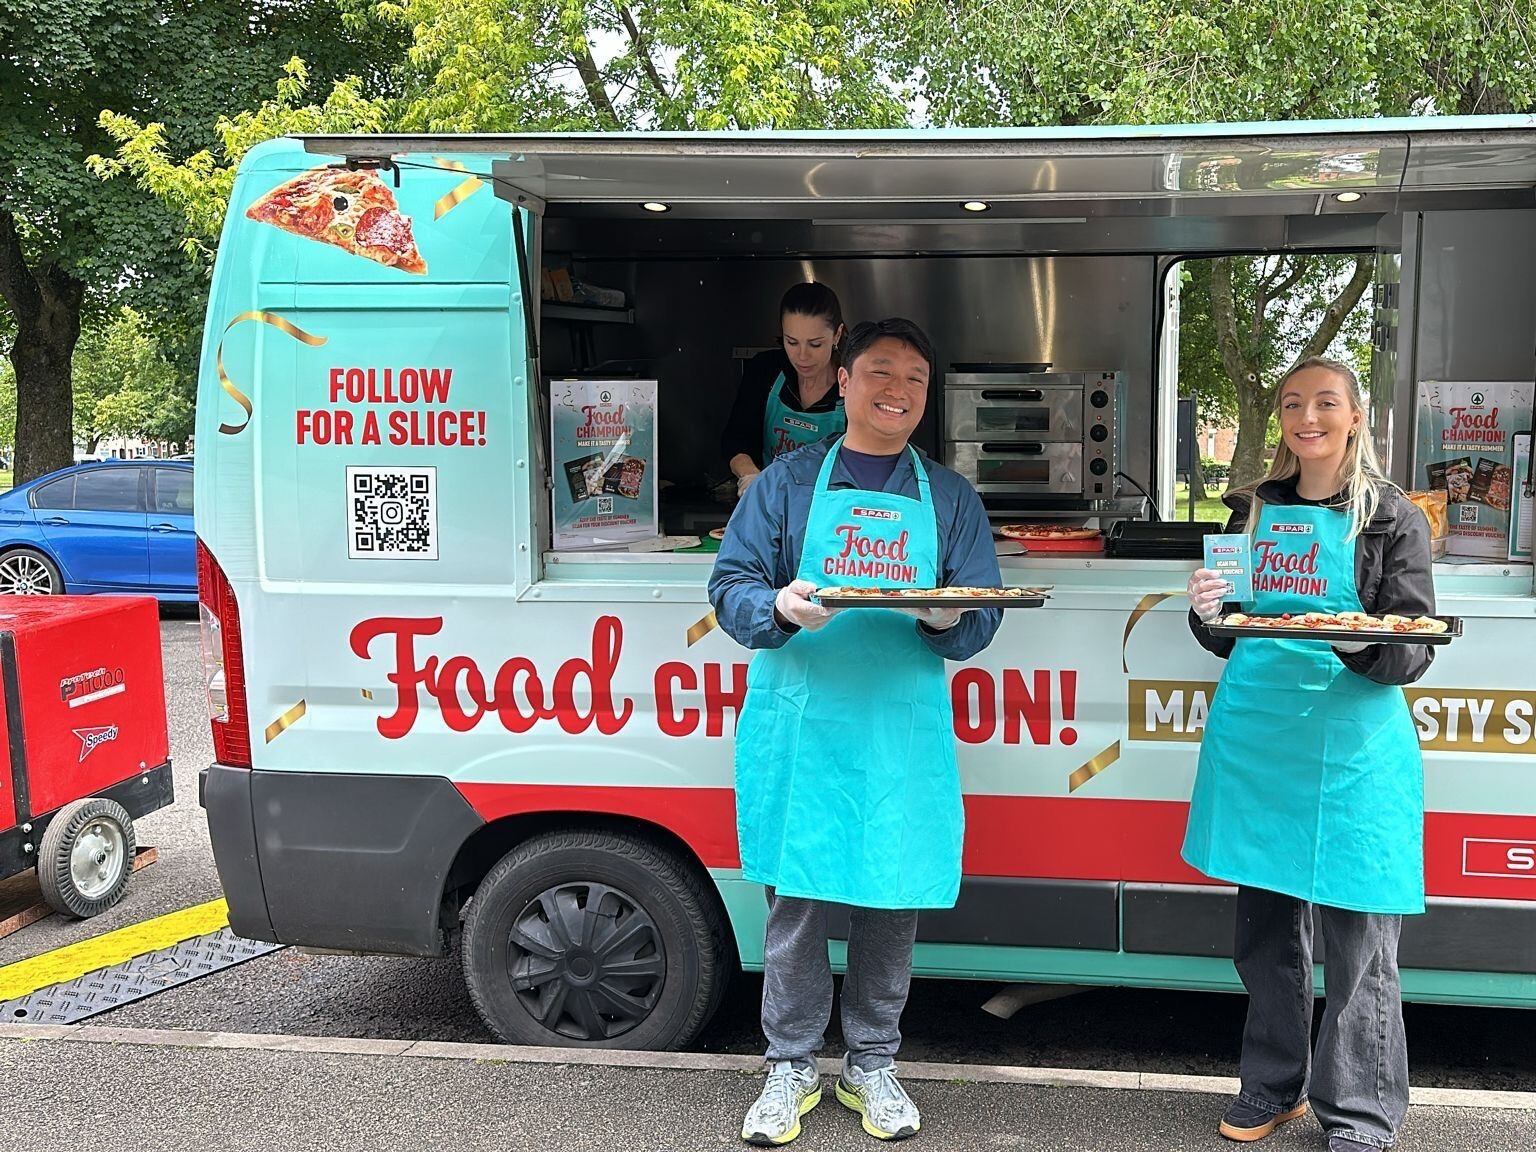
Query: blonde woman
x=1310 y=787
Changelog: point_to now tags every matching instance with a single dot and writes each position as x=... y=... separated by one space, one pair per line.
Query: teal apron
x=847 y=787
x=1310 y=782
x=786 y=428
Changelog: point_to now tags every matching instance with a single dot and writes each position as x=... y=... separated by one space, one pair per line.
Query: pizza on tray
x=1043 y=532
x=1337 y=622
x=355 y=211
x=955 y=592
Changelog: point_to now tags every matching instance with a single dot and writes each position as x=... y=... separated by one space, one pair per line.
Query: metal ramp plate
x=109 y=988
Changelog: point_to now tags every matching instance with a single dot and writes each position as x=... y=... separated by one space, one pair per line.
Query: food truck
x=458 y=469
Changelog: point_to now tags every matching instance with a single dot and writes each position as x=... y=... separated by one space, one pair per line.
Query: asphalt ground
x=237 y=1093
x=289 y=992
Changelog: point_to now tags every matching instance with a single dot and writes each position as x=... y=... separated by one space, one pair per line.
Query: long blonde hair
x=1364 y=478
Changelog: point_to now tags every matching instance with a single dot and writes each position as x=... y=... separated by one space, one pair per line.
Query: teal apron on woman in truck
x=786 y=428
x=847 y=787
x=1311 y=782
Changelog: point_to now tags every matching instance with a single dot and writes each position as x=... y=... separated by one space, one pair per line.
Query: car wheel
x=24 y=572
x=589 y=939
x=85 y=857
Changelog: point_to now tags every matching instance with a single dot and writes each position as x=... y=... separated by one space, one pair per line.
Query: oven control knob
x=1098 y=467
x=1098 y=398
x=1099 y=433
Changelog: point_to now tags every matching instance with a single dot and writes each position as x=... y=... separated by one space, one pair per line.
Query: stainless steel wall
x=1090 y=312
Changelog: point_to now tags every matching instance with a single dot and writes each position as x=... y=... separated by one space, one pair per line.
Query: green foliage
x=1213 y=469
x=125 y=386
x=198 y=187
x=561 y=65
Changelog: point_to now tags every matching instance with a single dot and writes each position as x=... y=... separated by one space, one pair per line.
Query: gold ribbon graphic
x=461 y=191
x=702 y=629
x=228 y=385
x=1145 y=605
x=367 y=695
x=286 y=721
x=1091 y=769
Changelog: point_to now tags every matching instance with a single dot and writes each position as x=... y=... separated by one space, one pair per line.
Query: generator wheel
x=85 y=857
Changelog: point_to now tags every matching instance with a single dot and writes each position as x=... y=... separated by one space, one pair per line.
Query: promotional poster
x=1465 y=447
x=603 y=435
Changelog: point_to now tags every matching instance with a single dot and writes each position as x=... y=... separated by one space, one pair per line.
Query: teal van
x=432 y=723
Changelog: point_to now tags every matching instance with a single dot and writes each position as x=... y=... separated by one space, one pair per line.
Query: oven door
x=1029 y=467
x=1014 y=413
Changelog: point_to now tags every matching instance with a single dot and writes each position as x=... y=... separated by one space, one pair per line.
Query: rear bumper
x=333 y=860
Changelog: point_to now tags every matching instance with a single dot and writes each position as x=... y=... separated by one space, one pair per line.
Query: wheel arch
x=488 y=844
x=42 y=550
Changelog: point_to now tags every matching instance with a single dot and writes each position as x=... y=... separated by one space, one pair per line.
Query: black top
x=1393 y=573
x=744 y=430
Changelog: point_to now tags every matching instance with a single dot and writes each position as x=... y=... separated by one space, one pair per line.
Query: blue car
x=113 y=526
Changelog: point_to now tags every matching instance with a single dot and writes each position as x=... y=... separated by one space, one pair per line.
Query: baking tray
x=1005 y=601
x=1241 y=631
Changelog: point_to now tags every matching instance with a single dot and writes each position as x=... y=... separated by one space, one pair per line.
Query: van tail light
x=223 y=662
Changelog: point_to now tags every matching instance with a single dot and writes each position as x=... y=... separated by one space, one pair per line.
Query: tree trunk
x=45 y=400
x=1196 y=476
x=45 y=304
x=1253 y=410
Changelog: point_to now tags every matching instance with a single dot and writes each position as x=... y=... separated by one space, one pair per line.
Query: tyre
x=595 y=939
x=85 y=857
x=27 y=572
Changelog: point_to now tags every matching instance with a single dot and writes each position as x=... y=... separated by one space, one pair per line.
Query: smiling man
x=847 y=790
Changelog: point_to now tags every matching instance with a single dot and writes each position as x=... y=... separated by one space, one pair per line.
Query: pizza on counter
x=1043 y=532
x=1337 y=622
x=352 y=210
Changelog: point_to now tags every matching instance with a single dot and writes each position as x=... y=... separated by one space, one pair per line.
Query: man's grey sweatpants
x=797 y=981
x=1357 y=1079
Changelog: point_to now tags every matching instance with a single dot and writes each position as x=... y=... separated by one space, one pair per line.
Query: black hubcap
x=586 y=961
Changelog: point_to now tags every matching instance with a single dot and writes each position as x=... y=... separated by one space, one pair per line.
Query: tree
x=69 y=243
x=560 y=65
x=125 y=386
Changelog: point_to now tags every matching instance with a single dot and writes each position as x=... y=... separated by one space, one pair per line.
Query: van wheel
x=588 y=939
x=85 y=856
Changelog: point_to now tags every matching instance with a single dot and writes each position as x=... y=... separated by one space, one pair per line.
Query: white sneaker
x=791 y=1092
x=878 y=1097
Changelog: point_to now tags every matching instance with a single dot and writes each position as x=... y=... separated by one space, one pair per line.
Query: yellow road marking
x=74 y=960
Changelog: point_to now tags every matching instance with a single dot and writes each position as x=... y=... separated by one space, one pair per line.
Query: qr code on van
x=392 y=513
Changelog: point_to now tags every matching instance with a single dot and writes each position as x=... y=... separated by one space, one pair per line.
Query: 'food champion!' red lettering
x=1472 y=427
x=607 y=423
x=871 y=557
x=517 y=696
x=1294 y=572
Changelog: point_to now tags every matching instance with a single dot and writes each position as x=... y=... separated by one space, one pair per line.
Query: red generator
x=82 y=740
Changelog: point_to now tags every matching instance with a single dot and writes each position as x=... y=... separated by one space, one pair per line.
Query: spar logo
x=93 y=738
x=803 y=424
x=1293 y=529
x=877 y=513
x=97 y=684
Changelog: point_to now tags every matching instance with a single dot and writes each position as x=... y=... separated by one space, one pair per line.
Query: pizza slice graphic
x=352 y=210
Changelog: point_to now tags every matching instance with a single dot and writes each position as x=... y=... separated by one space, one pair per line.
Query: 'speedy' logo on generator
x=93 y=738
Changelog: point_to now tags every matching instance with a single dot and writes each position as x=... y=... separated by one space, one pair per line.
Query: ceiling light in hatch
x=656 y=206
x=975 y=205
x=1347 y=197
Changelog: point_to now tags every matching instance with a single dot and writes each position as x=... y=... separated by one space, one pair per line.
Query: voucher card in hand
x=1230 y=556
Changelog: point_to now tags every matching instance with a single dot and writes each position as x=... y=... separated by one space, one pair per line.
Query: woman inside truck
x=788 y=396
x=1310 y=787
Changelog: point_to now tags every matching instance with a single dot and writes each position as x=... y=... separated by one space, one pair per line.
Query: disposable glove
x=939 y=619
x=792 y=604
x=745 y=482
x=1206 y=592
x=1348 y=646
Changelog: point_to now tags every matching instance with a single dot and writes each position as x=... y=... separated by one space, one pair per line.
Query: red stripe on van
x=1051 y=837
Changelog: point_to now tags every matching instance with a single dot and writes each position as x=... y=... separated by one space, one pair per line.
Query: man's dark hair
x=897 y=328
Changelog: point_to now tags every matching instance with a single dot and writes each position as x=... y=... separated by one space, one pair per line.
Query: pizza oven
x=1021 y=434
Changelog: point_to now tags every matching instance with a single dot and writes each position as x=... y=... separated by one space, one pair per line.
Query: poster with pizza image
x=1464 y=446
